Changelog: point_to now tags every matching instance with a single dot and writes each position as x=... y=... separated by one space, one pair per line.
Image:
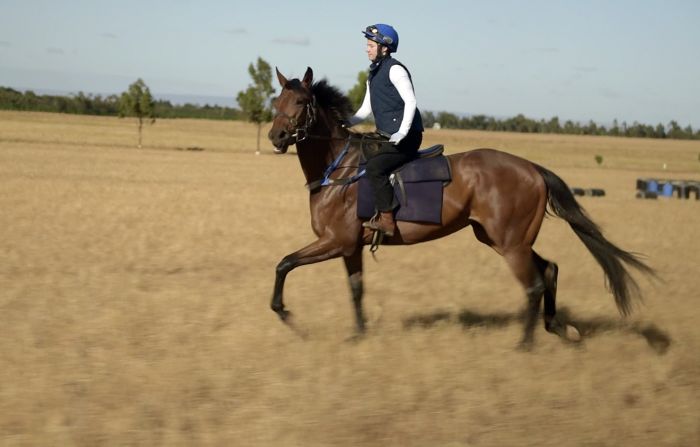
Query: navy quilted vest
x=387 y=105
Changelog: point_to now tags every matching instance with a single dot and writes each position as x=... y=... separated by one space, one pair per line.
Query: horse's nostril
x=276 y=134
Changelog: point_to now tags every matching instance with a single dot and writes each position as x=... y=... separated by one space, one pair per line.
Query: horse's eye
x=300 y=102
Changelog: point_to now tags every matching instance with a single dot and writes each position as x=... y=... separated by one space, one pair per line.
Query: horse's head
x=295 y=111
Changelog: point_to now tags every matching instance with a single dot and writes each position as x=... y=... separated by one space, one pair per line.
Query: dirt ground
x=135 y=288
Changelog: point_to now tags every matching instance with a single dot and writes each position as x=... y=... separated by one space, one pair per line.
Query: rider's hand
x=397 y=137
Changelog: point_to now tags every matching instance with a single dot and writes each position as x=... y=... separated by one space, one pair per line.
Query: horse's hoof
x=525 y=346
x=565 y=331
x=284 y=315
x=572 y=334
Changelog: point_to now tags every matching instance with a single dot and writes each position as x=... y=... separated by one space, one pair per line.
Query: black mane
x=331 y=98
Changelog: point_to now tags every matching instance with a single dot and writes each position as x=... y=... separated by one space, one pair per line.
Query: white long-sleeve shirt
x=399 y=78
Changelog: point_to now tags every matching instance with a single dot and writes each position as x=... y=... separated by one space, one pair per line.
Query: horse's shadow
x=657 y=339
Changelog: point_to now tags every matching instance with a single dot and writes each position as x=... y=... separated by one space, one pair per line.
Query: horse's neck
x=315 y=155
x=318 y=151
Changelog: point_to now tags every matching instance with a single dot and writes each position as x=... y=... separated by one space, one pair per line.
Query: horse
x=501 y=196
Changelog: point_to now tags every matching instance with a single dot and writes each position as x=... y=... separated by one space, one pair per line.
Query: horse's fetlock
x=277 y=307
x=357 y=291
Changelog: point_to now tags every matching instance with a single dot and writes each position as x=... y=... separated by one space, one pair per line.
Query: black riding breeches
x=387 y=160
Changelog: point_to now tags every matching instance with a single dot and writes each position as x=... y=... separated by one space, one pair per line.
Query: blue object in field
x=652 y=186
x=667 y=190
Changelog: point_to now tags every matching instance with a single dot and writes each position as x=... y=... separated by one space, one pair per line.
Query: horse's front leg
x=321 y=250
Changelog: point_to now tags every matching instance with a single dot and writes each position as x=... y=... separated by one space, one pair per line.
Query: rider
x=390 y=98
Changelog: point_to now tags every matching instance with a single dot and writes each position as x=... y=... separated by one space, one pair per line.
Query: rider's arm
x=364 y=111
x=399 y=77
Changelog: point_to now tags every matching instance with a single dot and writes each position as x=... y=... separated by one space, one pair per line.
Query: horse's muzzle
x=281 y=139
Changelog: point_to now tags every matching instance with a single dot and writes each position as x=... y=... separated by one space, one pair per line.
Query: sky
x=600 y=60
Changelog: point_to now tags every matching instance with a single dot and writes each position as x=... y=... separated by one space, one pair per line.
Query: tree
x=553 y=125
x=660 y=131
x=428 y=119
x=138 y=102
x=688 y=132
x=357 y=93
x=615 y=129
x=674 y=130
x=447 y=120
x=255 y=100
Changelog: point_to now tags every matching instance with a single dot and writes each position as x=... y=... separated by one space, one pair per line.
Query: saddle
x=417 y=185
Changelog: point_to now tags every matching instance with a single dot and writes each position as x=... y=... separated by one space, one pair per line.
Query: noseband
x=301 y=132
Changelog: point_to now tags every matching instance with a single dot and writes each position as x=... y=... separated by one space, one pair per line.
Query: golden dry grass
x=134 y=292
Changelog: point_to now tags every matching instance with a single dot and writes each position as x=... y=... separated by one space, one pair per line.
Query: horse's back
x=490 y=168
x=486 y=159
x=499 y=190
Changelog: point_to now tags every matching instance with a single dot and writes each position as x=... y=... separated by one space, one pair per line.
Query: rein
x=327 y=181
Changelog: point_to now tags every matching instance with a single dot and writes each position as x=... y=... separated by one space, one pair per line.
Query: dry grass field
x=135 y=285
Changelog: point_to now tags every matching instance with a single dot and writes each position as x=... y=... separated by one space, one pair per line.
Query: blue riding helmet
x=383 y=34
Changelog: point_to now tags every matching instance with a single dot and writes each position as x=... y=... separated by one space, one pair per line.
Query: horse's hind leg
x=522 y=263
x=549 y=271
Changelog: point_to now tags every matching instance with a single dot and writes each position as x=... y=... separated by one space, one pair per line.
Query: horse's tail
x=610 y=257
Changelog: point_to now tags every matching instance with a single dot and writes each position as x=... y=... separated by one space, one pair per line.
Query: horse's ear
x=281 y=78
x=308 y=77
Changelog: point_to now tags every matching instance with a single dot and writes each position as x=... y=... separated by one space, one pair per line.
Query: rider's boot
x=384 y=223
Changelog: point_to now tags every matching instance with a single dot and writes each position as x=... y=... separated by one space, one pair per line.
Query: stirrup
x=377 y=239
x=372 y=222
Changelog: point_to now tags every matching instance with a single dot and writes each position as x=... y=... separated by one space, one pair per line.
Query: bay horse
x=501 y=196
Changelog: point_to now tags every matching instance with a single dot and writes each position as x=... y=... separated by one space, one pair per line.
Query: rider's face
x=374 y=50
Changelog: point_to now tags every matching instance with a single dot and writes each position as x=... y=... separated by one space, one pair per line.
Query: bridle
x=301 y=132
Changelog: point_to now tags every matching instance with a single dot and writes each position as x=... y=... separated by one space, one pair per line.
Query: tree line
x=255 y=106
x=521 y=123
x=87 y=104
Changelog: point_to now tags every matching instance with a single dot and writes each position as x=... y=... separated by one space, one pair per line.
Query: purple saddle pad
x=418 y=191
